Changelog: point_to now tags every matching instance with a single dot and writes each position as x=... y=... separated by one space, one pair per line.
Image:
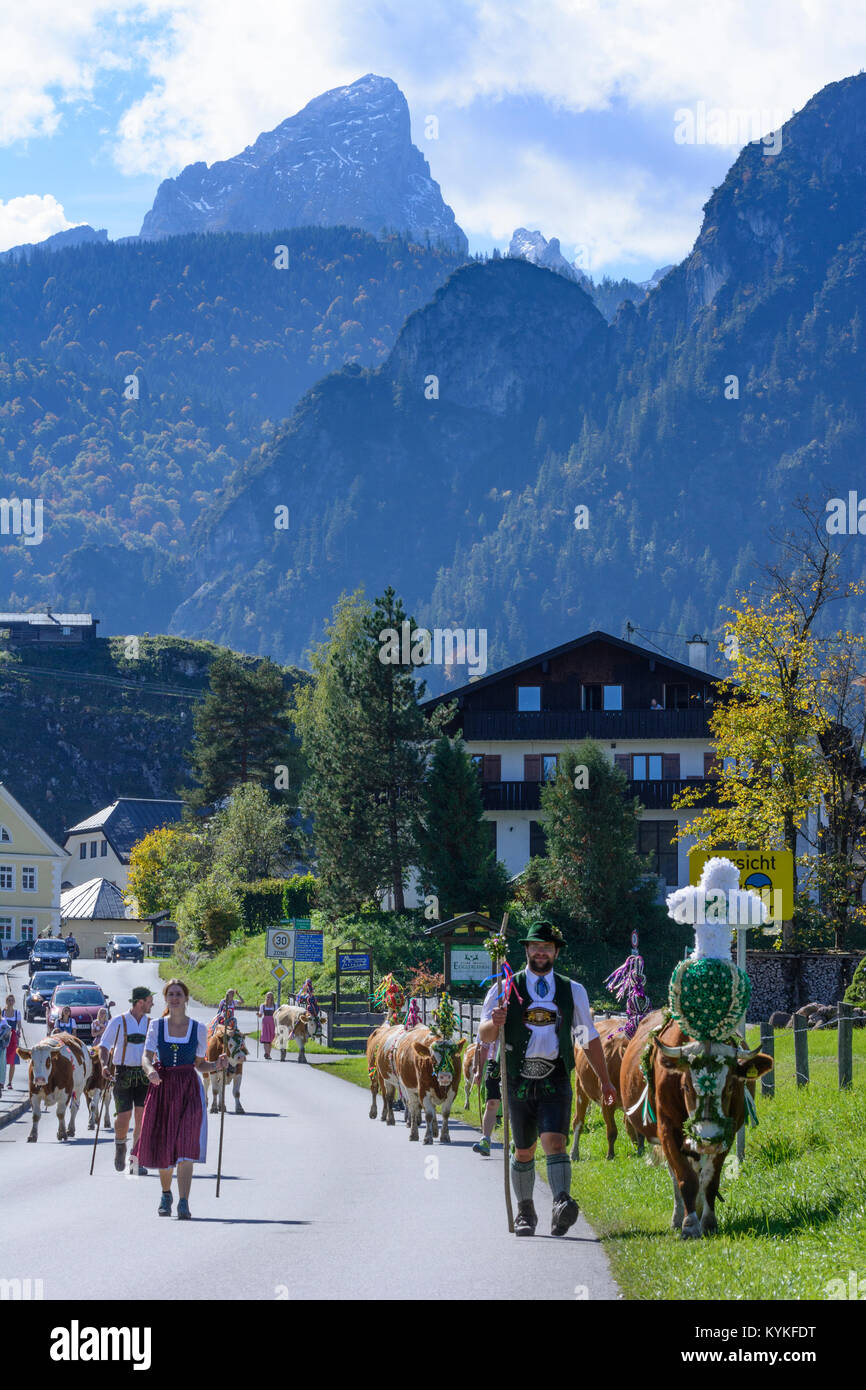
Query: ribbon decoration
x=389 y=998
x=413 y=1016
x=628 y=982
x=508 y=985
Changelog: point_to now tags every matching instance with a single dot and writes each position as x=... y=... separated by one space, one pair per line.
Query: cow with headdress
x=687 y=1078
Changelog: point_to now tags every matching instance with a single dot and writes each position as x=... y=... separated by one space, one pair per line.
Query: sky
x=565 y=118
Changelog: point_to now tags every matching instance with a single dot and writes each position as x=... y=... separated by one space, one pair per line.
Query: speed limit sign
x=280 y=943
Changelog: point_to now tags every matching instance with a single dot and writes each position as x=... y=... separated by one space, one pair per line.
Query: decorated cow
x=234 y=1044
x=587 y=1087
x=292 y=1022
x=688 y=1079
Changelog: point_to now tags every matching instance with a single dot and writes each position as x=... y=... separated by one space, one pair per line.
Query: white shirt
x=543 y=1041
x=112 y=1039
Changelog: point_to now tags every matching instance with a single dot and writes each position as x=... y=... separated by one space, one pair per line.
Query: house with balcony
x=100 y=846
x=649 y=713
x=31 y=868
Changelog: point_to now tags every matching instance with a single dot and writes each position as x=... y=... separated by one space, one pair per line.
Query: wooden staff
x=99 y=1113
x=259 y=1033
x=503 y=1073
x=223 y=1106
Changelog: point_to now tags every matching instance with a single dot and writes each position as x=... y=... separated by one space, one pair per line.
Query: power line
x=117 y=682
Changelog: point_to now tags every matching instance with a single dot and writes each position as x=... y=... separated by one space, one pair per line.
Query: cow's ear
x=460 y=1046
x=423 y=1049
x=748 y=1068
x=25 y=1054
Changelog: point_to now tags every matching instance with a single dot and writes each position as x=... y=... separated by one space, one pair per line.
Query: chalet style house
x=649 y=712
x=100 y=846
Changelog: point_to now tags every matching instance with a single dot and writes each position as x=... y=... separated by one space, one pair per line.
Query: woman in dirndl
x=13 y=1019
x=174 y=1124
x=266 y=1013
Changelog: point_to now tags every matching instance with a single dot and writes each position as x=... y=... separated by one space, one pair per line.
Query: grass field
x=793 y=1217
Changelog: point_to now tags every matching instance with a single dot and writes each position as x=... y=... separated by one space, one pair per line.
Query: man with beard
x=543 y=1012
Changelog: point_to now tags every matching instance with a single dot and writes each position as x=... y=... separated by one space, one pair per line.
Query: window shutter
x=532 y=767
x=670 y=766
x=623 y=762
x=711 y=767
x=492 y=769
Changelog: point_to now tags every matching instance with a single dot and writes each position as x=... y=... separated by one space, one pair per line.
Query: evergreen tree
x=592 y=868
x=243 y=733
x=455 y=860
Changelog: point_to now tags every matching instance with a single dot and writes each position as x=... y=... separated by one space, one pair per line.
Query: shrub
x=299 y=895
x=261 y=904
x=856 y=991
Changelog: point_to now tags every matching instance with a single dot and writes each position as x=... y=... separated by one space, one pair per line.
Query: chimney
x=697 y=649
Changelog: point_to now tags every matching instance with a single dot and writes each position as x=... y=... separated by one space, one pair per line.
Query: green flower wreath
x=708 y=997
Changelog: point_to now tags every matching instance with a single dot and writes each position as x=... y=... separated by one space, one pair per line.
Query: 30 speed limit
x=281 y=943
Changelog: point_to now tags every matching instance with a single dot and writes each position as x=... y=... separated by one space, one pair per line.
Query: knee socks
x=559 y=1174
x=523 y=1179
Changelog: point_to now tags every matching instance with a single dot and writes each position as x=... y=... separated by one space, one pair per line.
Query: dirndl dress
x=267 y=1012
x=12 y=1046
x=174 y=1123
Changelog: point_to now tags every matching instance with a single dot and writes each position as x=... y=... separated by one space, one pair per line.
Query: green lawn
x=242 y=967
x=792 y=1219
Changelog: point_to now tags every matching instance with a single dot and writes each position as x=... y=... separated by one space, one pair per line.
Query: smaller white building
x=101 y=844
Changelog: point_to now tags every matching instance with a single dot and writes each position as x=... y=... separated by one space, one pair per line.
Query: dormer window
x=5 y=837
x=529 y=699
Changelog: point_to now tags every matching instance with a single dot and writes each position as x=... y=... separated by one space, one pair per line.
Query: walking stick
x=259 y=1035
x=99 y=1114
x=222 y=1108
x=503 y=1074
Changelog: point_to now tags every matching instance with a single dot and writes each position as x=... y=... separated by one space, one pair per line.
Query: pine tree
x=455 y=860
x=243 y=733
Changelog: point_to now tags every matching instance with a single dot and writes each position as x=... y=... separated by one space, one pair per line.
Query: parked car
x=39 y=989
x=85 y=998
x=19 y=950
x=49 y=953
x=122 y=947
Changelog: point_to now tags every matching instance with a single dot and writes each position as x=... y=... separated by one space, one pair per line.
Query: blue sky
x=560 y=117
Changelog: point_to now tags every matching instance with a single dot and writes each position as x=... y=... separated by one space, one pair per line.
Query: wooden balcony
x=659 y=794
x=654 y=795
x=645 y=724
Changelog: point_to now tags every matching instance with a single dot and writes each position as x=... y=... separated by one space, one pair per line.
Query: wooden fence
x=844 y=1050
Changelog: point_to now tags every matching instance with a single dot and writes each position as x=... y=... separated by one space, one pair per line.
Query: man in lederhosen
x=121 y=1048
x=539 y=1051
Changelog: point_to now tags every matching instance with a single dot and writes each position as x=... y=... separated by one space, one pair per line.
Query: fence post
x=801 y=1050
x=846 y=1036
x=768 y=1045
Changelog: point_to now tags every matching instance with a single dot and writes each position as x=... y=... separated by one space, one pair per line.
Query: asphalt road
x=317 y=1202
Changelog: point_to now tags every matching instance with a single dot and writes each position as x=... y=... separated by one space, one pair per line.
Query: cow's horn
x=668 y=1051
x=744 y=1055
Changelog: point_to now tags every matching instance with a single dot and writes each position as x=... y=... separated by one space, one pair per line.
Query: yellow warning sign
x=768 y=872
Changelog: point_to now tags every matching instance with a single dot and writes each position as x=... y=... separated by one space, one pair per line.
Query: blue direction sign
x=354 y=963
x=309 y=946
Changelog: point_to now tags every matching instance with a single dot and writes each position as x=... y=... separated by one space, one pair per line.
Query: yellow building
x=31 y=871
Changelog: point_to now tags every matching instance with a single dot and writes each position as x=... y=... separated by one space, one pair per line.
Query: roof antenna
x=629 y=629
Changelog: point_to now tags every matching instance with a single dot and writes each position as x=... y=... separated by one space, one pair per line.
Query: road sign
x=354 y=963
x=279 y=972
x=301 y=923
x=280 y=944
x=310 y=946
x=768 y=872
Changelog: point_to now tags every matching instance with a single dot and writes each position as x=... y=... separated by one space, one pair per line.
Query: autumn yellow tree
x=162 y=866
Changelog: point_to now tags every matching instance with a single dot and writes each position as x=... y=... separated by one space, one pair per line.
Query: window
x=549 y=764
x=28 y=928
x=537 y=839
x=5 y=837
x=676 y=696
x=5 y=928
x=529 y=698
x=647 y=767
x=67 y=631
x=103 y=849
x=82 y=850
x=489 y=766
x=28 y=879
x=93 y=844
x=656 y=838
x=602 y=697
x=7 y=878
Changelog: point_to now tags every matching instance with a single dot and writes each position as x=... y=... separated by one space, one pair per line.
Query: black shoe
x=119 y=1157
x=565 y=1213
x=526 y=1219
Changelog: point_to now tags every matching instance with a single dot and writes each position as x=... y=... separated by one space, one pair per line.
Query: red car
x=85 y=998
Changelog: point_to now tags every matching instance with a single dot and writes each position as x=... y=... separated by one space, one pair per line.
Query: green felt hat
x=543 y=931
x=140 y=992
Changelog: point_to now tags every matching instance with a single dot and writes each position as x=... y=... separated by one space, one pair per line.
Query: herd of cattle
x=688 y=1100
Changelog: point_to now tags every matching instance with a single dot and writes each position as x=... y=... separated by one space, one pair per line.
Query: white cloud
x=32 y=217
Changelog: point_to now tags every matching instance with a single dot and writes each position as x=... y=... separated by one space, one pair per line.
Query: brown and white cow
x=385 y=1079
x=291 y=1021
x=427 y=1070
x=374 y=1042
x=59 y=1072
x=587 y=1087
x=237 y=1051
x=697 y=1092
x=94 y=1090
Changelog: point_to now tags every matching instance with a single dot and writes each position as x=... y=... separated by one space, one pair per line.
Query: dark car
x=85 y=998
x=49 y=953
x=39 y=989
x=19 y=950
x=122 y=947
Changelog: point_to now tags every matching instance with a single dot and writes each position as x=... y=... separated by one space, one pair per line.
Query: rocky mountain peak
x=346 y=159
x=535 y=248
